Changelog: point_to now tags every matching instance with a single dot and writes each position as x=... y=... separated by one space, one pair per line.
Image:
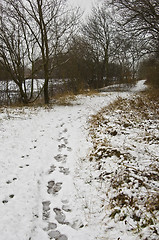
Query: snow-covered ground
x=125 y=167
x=140 y=86
x=45 y=176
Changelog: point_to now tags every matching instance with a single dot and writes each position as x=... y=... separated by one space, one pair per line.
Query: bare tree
x=140 y=17
x=14 y=48
x=81 y=67
x=99 y=30
x=140 y=21
x=128 y=50
x=44 y=30
x=51 y=23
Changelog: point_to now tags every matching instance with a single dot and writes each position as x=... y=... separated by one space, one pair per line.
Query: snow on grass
x=140 y=86
x=53 y=188
x=125 y=158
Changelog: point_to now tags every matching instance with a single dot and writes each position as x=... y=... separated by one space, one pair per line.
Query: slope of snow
x=41 y=150
x=140 y=86
x=47 y=187
x=124 y=167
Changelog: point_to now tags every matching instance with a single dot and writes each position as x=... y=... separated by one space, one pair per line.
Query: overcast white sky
x=85 y=5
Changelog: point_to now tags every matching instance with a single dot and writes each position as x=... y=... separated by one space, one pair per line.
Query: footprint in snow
x=60 y=216
x=66 y=208
x=42 y=130
x=65 y=171
x=64 y=139
x=22 y=157
x=10 y=181
x=51 y=226
x=60 y=158
x=34 y=147
x=61 y=146
x=27 y=165
x=57 y=235
x=46 y=210
x=5 y=201
x=65 y=130
x=52 y=169
x=54 y=234
x=69 y=149
x=60 y=139
x=54 y=188
x=77 y=224
x=11 y=196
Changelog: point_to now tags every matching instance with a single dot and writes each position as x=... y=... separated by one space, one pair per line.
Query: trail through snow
x=43 y=195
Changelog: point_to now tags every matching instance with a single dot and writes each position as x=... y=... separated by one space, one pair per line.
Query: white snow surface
x=140 y=86
x=45 y=193
x=29 y=143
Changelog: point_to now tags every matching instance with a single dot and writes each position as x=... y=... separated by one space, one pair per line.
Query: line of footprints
x=53 y=188
x=60 y=217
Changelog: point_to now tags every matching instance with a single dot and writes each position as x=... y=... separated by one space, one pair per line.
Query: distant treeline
x=117 y=42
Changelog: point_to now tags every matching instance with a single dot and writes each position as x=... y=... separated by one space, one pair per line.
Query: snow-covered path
x=44 y=178
x=40 y=153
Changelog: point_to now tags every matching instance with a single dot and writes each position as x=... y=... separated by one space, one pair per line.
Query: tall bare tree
x=140 y=20
x=15 y=48
x=141 y=17
x=99 y=30
x=50 y=24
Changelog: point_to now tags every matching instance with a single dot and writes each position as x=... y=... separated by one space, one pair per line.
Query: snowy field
x=47 y=191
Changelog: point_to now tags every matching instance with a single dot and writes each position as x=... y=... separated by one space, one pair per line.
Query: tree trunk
x=23 y=95
x=46 y=91
x=106 y=62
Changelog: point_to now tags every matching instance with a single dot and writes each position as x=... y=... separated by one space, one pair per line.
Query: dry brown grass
x=61 y=99
x=141 y=113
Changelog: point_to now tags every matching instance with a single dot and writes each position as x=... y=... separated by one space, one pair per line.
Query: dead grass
x=140 y=113
x=61 y=99
x=146 y=104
